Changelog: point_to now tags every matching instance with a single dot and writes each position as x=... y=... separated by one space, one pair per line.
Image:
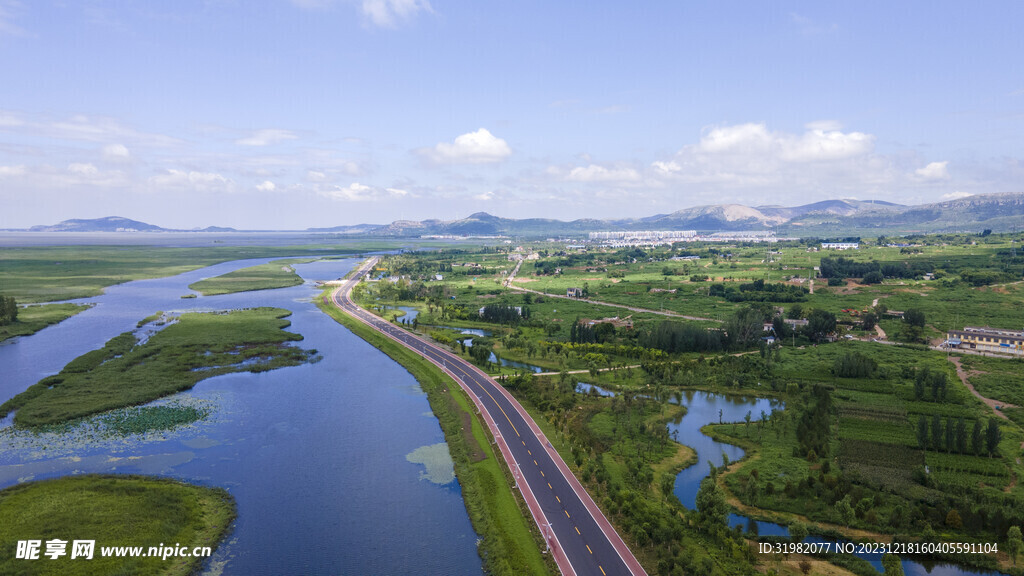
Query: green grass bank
x=114 y=511
x=32 y=319
x=511 y=544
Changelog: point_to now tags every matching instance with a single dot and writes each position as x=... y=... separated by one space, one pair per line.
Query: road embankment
x=510 y=544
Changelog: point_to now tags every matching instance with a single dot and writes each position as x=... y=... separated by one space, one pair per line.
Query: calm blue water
x=467 y=331
x=506 y=362
x=703 y=408
x=315 y=455
x=410 y=313
x=585 y=388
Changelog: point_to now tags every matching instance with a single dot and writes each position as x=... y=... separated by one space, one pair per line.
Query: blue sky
x=289 y=114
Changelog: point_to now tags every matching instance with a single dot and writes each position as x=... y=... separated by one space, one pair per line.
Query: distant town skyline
x=288 y=114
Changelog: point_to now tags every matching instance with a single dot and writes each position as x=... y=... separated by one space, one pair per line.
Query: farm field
x=878 y=437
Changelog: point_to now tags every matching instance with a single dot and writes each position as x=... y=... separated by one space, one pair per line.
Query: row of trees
x=8 y=310
x=953 y=437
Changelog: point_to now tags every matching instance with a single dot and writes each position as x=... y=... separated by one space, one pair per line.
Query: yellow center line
x=541 y=473
x=588 y=548
x=495 y=401
x=566 y=513
x=577 y=530
x=535 y=463
x=559 y=499
x=530 y=453
x=549 y=485
x=524 y=442
x=602 y=570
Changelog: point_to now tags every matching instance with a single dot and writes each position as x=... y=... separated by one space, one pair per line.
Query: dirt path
x=599 y=303
x=964 y=377
x=880 y=332
x=586 y=371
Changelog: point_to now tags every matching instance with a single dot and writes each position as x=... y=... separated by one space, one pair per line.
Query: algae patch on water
x=437 y=461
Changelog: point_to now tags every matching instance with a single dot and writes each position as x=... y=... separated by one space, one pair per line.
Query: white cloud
x=387 y=13
x=933 y=171
x=116 y=152
x=207 y=181
x=956 y=195
x=315 y=176
x=813 y=145
x=266 y=186
x=267 y=137
x=480 y=147
x=12 y=171
x=357 y=192
x=596 y=173
x=669 y=167
x=83 y=169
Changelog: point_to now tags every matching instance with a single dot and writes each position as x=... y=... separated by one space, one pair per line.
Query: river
x=337 y=466
x=703 y=408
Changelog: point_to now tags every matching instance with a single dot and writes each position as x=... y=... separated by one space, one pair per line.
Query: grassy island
x=276 y=274
x=115 y=511
x=125 y=373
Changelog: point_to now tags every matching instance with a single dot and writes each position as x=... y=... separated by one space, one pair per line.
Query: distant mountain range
x=115 y=224
x=999 y=212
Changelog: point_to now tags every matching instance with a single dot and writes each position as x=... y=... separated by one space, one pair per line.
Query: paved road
x=582 y=540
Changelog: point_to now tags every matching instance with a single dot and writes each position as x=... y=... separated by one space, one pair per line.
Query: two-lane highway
x=581 y=539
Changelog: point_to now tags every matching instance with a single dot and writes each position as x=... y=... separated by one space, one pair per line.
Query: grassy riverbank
x=113 y=511
x=125 y=373
x=511 y=544
x=276 y=274
x=32 y=319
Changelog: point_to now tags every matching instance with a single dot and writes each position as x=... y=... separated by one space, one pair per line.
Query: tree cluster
x=8 y=310
x=759 y=291
x=854 y=365
x=934 y=382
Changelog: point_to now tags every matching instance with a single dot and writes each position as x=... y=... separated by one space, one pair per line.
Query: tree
x=961 y=435
x=868 y=320
x=820 y=323
x=950 y=435
x=744 y=328
x=922 y=433
x=711 y=502
x=1014 y=543
x=891 y=565
x=846 y=512
x=953 y=519
x=8 y=310
x=977 y=438
x=797 y=532
x=795 y=312
x=873 y=277
x=913 y=323
x=914 y=317
x=993 y=435
x=937 y=437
